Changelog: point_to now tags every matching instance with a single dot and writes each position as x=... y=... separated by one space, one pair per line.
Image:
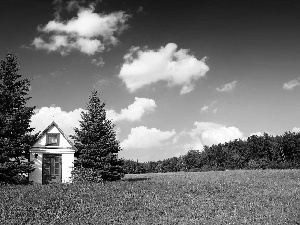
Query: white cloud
x=207 y=108
x=291 y=84
x=142 y=137
x=258 y=133
x=153 y=144
x=208 y=133
x=143 y=67
x=89 y=24
x=65 y=120
x=220 y=135
x=88 y=46
x=296 y=129
x=204 y=109
x=227 y=87
x=118 y=131
x=65 y=45
x=56 y=42
x=194 y=145
x=88 y=33
x=135 y=111
x=187 y=89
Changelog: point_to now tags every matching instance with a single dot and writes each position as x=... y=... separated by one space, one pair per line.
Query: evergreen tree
x=97 y=146
x=15 y=138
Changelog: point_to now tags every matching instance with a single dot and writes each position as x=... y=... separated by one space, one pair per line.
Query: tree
x=15 y=137
x=192 y=160
x=97 y=146
x=129 y=166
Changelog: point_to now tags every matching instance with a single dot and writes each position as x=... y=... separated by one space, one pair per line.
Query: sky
x=175 y=75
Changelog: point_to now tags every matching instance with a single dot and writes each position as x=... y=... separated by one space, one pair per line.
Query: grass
x=229 y=197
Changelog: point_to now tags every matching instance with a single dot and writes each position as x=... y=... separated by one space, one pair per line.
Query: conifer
x=97 y=146
x=15 y=117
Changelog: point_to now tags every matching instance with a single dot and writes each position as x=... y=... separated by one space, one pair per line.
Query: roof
x=53 y=124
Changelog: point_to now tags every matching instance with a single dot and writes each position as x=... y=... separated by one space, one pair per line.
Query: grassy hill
x=229 y=197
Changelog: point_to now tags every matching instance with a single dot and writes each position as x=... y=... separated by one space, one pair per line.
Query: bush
x=81 y=175
x=208 y=168
x=274 y=165
x=194 y=170
x=253 y=164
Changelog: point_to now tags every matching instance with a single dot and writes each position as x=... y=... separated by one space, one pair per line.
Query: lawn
x=228 y=197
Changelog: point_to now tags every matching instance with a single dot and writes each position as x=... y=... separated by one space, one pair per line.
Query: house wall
x=67 y=167
x=63 y=143
x=36 y=175
x=65 y=149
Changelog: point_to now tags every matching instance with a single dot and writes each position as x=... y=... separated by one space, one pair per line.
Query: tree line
x=257 y=152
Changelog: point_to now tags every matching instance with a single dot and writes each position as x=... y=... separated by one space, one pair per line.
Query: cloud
x=140 y=9
x=135 y=111
x=204 y=109
x=262 y=133
x=142 y=137
x=258 y=133
x=220 y=135
x=143 y=67
x=291 y=84
x=195 y=145
x=61 y=6
x=153 y=144
x=88 y=33
x=118 y=131
x=209 y=133
x=187 y=89
x=77 y=4
x=65 y=120
x=98 y=62
x=73 y=5
x=207 y=108
x=59 y=72
x=296 y=129
x=102 y=83
x=57 y=5
x=227 y=87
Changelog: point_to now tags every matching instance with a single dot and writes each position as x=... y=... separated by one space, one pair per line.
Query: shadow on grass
x=136 y=179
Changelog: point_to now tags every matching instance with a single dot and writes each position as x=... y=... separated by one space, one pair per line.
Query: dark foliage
x=257 y=152
x=97 y=146
x=15 y=138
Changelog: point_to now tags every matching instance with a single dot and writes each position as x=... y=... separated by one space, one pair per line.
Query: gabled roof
x=53 y=124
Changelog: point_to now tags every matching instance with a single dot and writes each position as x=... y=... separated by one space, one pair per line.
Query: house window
x=52 y=139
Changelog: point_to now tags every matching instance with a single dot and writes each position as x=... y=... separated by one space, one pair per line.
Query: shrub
x=81 y=175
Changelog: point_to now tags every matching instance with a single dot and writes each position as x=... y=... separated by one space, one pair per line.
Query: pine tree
x=97 y=146
x=15 y=138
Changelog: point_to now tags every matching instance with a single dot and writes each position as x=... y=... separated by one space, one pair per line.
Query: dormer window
x=52 y=140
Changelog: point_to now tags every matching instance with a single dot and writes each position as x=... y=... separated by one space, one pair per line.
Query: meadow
x=225 y=197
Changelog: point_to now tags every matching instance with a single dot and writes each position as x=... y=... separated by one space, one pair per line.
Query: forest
x=256 y=152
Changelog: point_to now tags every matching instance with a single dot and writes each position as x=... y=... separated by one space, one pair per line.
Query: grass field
x=229 y=197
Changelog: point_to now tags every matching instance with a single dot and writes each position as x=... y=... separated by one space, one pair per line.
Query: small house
x=53 y=155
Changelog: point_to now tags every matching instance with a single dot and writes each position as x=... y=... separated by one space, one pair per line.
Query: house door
x=51 y=168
